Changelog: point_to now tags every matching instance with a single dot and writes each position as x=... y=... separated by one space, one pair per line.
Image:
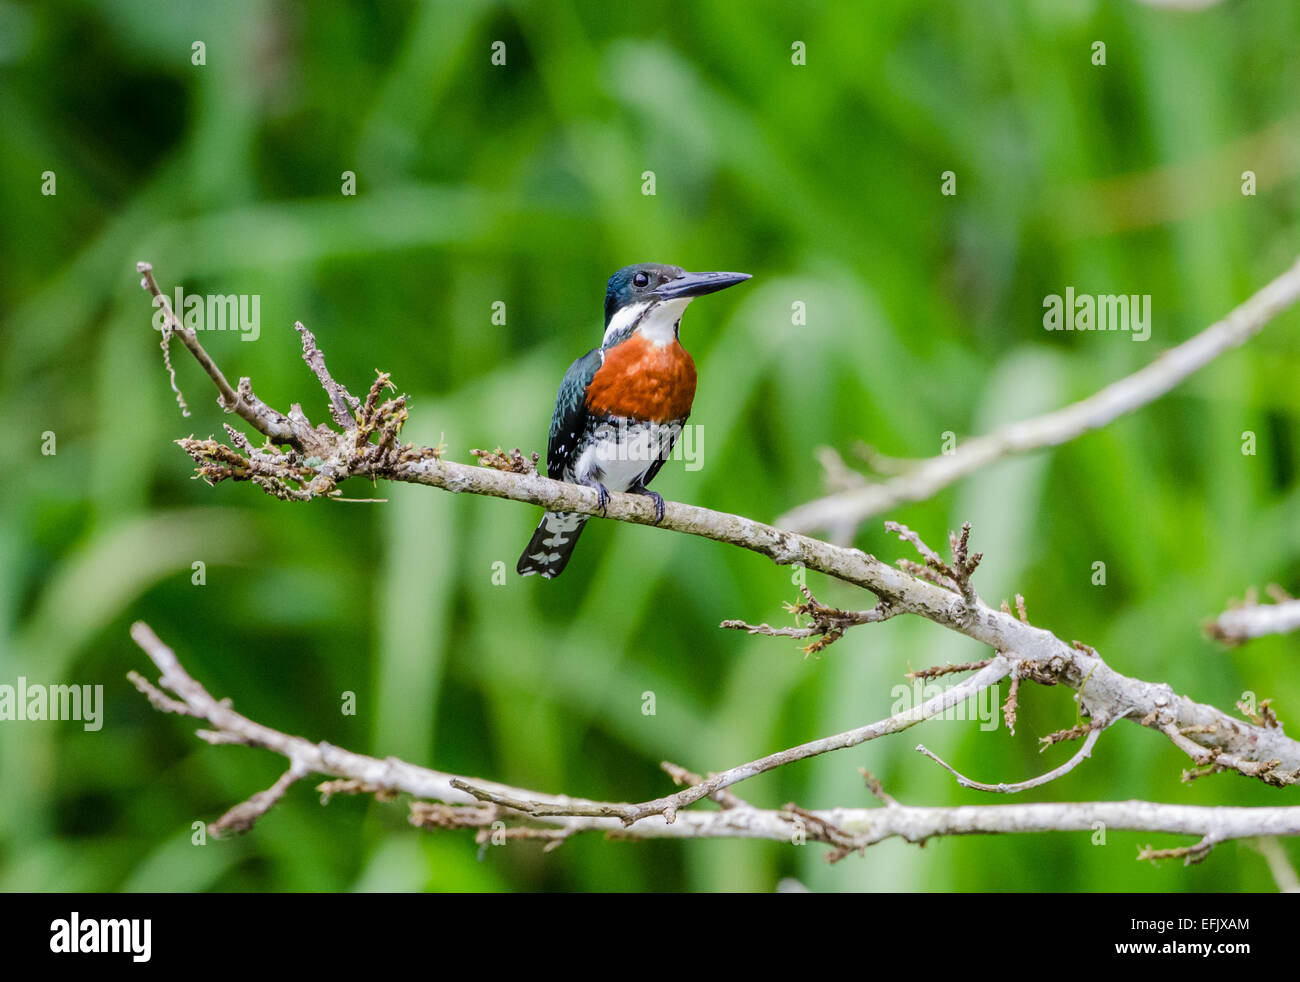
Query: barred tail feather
x=552 y=544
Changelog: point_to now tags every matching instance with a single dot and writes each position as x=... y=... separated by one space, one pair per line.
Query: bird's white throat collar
x=656 y=320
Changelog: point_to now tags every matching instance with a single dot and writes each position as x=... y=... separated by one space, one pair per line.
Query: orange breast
x=644 y=381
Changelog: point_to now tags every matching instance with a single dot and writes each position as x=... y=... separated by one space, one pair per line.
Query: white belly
x=622 y=451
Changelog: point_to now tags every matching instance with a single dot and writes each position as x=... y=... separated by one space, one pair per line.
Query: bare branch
x=828 y=623
x=1253 y=620
x=1011 y=708
x=513 y=461
x=553 y=818
x=157 y=698
x=937 y=671
x=681 y=776
x=850 y=508
x=1194 y=853
x=229 y=399
x=876 y=788
x=343 y=404
x=1080 y=756
x=1218 y=739
x=668 y=806
x=1060 y=736
x=242 y=816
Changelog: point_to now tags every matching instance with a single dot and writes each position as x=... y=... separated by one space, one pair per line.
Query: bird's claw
x=654 y=496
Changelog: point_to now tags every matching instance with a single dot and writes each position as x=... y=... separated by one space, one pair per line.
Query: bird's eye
x=640 y=279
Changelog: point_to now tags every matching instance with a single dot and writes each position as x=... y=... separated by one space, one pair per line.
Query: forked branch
x=499 y=814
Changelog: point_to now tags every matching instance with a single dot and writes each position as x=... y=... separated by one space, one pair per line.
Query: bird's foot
x=602 y=497
x=654 y=496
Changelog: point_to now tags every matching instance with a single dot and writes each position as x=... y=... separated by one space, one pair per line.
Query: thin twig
x=1253 y=620
x=854 y=506
x=343 y=404
x=828 y=623
x=1080 y=756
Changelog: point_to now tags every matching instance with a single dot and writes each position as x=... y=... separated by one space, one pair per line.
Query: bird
x=622 y=406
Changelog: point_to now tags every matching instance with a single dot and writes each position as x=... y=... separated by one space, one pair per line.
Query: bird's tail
x=552 y=544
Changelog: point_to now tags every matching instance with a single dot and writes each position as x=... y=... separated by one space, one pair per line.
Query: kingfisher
x=621 y=407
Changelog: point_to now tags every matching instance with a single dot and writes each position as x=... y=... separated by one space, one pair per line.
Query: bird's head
x=650 y=298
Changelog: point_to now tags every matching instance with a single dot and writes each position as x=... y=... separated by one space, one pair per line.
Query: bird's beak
x=698 y=284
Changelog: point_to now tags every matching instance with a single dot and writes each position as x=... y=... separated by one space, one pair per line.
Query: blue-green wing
x=570 y=417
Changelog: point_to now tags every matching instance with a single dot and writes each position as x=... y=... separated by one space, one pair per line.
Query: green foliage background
x=522 y=183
